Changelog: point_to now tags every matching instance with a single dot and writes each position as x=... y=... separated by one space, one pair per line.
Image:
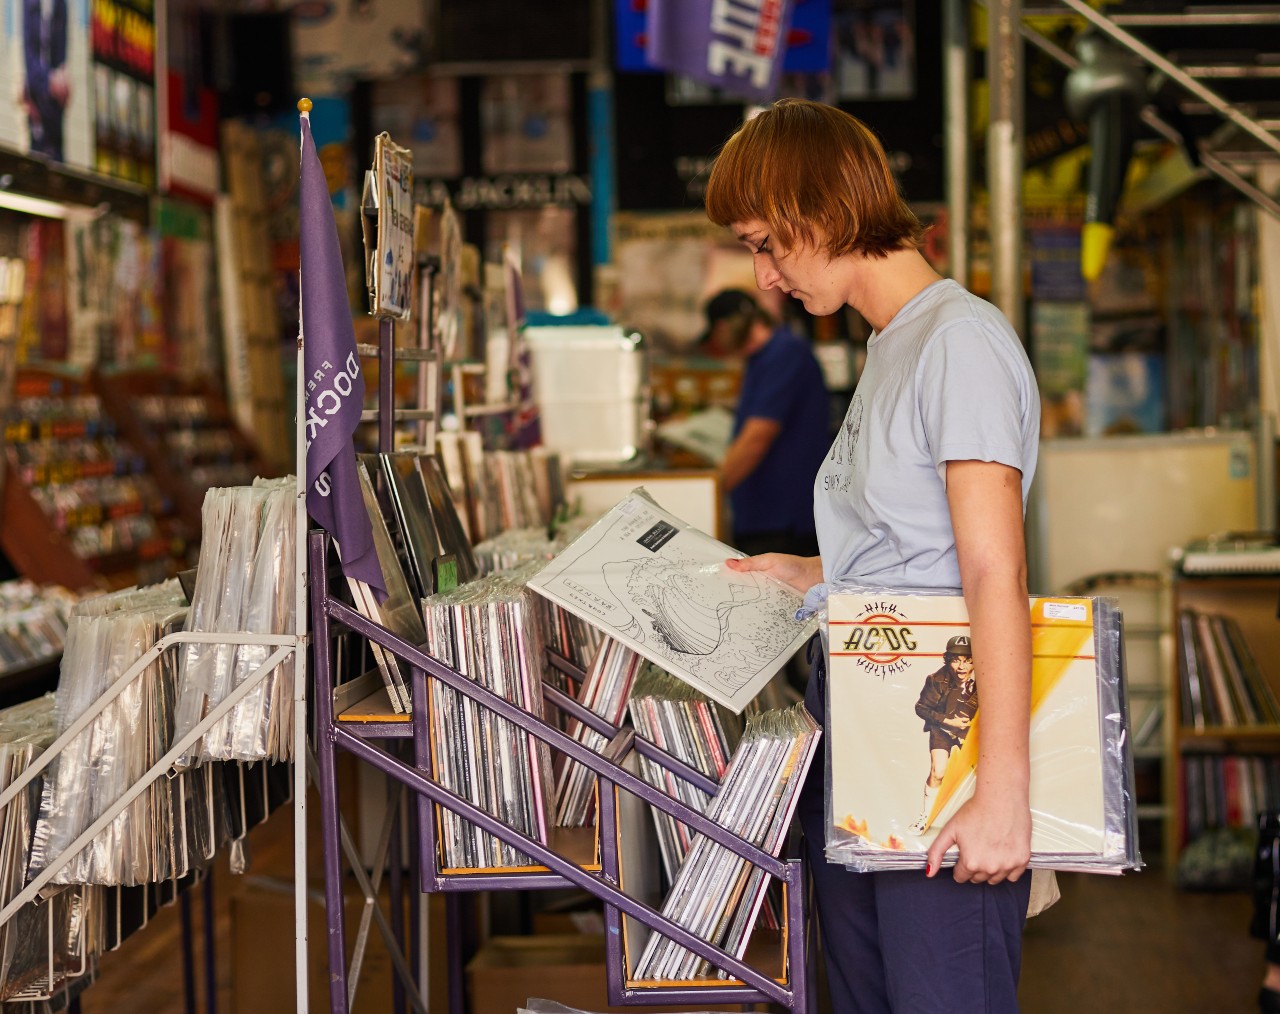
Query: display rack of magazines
x=509 y=711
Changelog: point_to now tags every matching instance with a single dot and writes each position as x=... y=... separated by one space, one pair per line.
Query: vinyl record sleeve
x=660 y=586
x=888 y=650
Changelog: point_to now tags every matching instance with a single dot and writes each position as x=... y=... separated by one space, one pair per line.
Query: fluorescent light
x=32 y=205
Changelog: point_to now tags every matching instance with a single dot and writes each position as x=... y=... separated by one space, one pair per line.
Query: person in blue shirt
x=779 y=432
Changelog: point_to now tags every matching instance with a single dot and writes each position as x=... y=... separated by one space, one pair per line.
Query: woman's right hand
x=799 y=572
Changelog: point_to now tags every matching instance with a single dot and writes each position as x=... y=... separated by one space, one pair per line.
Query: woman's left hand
x=993 y=836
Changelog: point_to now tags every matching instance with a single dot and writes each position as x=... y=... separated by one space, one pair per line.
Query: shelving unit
x=364 y=727
x=184 y=432
x=82 y=507
x=1252 y=602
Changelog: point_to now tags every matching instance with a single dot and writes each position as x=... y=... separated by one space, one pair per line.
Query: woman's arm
x=800 y=572
x=993 y=829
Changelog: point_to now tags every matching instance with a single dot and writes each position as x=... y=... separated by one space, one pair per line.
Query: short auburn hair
x=813 y=174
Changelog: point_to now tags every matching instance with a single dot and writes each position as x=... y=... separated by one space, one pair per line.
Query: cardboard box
x=507 y=971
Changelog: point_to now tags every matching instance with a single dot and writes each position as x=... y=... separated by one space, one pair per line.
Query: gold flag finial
x=304 y=105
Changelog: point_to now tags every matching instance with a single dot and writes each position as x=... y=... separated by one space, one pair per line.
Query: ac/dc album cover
x=905 y=716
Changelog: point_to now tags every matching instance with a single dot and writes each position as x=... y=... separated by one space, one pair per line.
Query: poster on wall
x=336 y=43
x=188 y=110
x=123 y=49
x=874 y=52
x=526 y=124
x=422 y=112
x=44 y=79
x=669 y=265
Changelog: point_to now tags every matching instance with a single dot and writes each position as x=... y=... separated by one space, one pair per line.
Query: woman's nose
x=767 y=276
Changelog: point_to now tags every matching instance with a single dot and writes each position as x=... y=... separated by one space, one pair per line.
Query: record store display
x=172 y=826
x=671 y=714
x=244 y=582
x=34 y=955
x=490 y=631
x=717 y=895
x=904 y=715
x=605 y=692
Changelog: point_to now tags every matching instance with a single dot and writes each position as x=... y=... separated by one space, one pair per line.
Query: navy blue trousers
x=902 y=942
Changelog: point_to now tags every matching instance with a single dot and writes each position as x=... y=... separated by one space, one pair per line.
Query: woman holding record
x=924 y=487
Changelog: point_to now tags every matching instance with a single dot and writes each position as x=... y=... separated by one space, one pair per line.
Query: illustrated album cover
x=661 y=587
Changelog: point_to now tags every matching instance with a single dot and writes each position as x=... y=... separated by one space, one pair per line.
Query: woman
x=924 y=487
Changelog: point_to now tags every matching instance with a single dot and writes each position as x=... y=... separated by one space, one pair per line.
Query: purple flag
x=732 y=44
x=334 y=380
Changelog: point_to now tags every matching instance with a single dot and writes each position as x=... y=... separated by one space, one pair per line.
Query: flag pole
x=301 y=653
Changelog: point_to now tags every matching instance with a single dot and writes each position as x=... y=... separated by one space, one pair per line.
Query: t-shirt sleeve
x=973 y=396
x=777 y=386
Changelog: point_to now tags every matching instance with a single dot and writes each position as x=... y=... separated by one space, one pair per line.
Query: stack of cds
x=245 y=582
x=33 y=623
x=489 y=631
x=173 y=825
x=43 y=944
x=905 y=718
x=717 y=895
x=605 y=692
x=686 y=724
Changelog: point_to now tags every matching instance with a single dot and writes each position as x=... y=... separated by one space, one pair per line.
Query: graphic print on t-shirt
x=838 y=481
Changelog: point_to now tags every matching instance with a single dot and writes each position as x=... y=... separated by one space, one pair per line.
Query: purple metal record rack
x=361 y=738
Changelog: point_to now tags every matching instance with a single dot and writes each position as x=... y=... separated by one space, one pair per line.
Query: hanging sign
x=732 y=44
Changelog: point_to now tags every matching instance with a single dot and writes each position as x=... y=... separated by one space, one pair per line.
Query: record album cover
x=905 y=726
x=661 y=587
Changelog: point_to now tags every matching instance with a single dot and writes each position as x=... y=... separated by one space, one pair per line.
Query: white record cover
x=659 y=586
x=904 y=721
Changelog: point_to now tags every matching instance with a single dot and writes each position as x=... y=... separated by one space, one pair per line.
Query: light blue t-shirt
x=946 y=380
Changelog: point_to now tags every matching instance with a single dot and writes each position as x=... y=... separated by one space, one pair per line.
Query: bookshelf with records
x=495 y=728
x=81 y=505
x=1225 y=763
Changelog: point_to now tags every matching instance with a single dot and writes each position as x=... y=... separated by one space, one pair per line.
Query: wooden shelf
x=1251 y=601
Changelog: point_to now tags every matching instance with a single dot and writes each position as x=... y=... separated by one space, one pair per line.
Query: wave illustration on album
x=687 y=624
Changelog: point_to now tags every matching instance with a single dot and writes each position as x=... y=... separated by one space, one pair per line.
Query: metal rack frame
x=361 y=740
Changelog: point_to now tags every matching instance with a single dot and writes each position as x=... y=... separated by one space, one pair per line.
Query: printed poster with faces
x=905 y=724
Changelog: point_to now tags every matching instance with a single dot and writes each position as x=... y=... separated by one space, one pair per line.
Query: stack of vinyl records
x=171 y=827
x=511 y=548
x=245 y=582
x=1220 y=684
x=44 y=944
x=33 y=623
x=904 y=717
x=672 y=715
x=489 y=631
x=497 y=490
x=420 y=547
x=605 y=692
x=569 y=636
x=717 y=895
x=514 y=547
